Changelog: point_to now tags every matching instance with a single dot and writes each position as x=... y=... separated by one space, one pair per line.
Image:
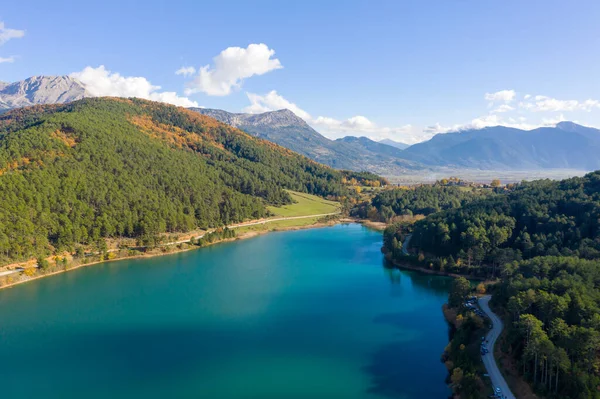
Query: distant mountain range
x=567 y=145
x=288 y=130
x=393 y=143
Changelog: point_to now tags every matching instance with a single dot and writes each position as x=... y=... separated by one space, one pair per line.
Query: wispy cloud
x=186 y=71
x=505 y=96
x=7 y=34
x=548 y=104
x=230 y=68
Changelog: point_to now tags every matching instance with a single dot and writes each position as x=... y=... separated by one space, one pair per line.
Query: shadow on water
x=396 y=368
x=440 y=285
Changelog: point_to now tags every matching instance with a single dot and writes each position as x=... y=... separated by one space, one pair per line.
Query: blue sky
x=397 y=69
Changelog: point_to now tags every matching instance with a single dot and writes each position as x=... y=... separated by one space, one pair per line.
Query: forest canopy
x=539 y=218
x=102 y=167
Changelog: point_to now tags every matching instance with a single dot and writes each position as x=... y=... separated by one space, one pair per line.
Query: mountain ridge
x=40 y=90
x=565 y=146
x=568 y=145
x=285 y=128
x=394 y=143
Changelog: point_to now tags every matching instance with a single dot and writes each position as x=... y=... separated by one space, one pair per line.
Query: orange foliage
x=65 y=137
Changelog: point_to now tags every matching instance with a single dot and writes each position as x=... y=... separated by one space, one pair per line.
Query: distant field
x=306 y=204
x=484 y=176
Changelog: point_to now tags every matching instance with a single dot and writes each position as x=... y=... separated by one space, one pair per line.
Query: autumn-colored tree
x=481 y=288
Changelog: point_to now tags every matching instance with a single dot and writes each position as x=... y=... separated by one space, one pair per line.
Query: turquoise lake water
x=298 y=314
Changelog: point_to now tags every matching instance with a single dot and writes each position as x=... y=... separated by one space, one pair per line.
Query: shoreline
x=406 y=266
x=379 y=226
x=190 y=247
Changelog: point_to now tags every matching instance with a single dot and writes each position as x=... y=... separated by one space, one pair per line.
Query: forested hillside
x=535 y=219
x=76 y=173
x=554 y=306
x=420 y=200
x=541 y=242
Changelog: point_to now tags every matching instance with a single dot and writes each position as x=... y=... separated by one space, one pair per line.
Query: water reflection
x=394 y=363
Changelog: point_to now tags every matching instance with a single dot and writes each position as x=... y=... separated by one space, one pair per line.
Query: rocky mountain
x=393 y=143
x=567 y=145
x=288 y=130
x=40 y=90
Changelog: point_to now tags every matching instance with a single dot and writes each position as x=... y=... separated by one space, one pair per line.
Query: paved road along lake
x=298 y=314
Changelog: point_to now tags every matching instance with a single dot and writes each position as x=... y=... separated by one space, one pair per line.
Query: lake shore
x=174 y=249
x=407 y=266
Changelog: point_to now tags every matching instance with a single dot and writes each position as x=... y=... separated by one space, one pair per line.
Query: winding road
x=262 y=221
x=9 y=272
x=488 y=359
x=405 y=244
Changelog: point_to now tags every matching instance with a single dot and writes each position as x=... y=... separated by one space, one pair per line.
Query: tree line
x=419 y=200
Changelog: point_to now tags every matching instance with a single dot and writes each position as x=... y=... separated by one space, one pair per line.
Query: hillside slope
x=288 y=130
x=103 y=167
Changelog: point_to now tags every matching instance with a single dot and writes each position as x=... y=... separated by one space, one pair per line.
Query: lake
x=298 y=314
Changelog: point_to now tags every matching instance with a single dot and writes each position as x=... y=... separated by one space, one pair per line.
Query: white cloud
x=548 y=104
x=7 y=34
x=102 y=82
x=231 y=67
x=494 y=120
x=503 y=108
x=505 y=96
x=186 y=71
x=553 y=121
x=272 y=101
x=361 y=126
x=358 y=123
x=331 y=127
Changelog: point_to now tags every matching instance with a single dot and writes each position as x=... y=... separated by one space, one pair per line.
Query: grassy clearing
x=279 y=224
x=305 y=205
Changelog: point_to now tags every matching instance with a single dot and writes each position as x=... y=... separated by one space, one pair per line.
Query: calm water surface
x=299 y=314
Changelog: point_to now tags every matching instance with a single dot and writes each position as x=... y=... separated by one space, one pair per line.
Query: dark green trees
x=540 y=218
x=461 y=288
x=78 y=173
x=554 y=303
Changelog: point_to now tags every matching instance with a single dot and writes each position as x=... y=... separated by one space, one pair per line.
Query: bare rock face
x=273 y=119
x=41 y=90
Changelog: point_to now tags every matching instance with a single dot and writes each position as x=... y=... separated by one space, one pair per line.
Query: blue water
x=299 y=314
